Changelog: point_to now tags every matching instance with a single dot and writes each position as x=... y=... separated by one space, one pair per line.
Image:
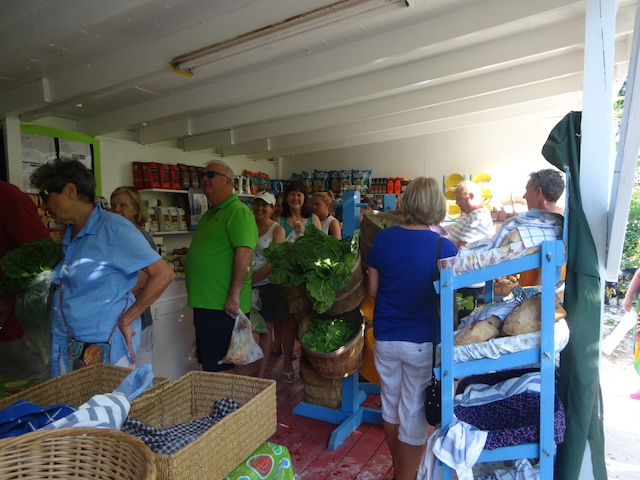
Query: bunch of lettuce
x=320 y=262
x=22 y=265
x=27 y=270
x=327 y=335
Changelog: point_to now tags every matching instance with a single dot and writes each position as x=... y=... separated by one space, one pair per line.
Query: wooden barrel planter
x=369 y=229
x=319 y=390
x=299 y=303
x=350 y=297
x=344 y=361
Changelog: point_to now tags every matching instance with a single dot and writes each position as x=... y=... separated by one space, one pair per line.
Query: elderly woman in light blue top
x=103 y=252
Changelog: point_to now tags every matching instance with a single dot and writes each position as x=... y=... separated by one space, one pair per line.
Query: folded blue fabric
x=136 y=382
x=24 y=416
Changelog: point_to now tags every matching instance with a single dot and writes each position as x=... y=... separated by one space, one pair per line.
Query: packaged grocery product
x=176 y=180
x=345 y=178
x=173 y=218
x=150 y=175
x=164 y=219
x=361 y=177
x=320 y=181
x=307 y=181
x=195 y=179
x=153 y=220
x=137 y=175
x=182 y=219
x=165 y=176
x=335 y=183
x=185 y=176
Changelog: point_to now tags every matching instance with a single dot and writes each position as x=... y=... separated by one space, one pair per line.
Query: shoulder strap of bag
x=435 y=322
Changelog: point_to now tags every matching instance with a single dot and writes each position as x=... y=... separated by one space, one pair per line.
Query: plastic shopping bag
x=32 y=312
x=243 y=349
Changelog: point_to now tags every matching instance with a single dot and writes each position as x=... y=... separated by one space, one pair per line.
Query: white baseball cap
x=266 y=197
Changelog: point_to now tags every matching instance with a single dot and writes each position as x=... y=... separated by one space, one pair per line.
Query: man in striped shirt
x=474 y=225
x=476 y=222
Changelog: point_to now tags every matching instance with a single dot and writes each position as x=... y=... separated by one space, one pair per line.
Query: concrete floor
x=619 y=379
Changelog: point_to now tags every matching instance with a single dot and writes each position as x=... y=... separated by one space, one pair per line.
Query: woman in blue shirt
x=402 y=268
x=103 y=252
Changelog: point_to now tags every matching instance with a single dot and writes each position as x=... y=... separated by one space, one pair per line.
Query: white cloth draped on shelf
x=459 y=445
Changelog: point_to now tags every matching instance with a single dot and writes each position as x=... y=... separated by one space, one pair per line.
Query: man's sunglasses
x=211 y=174
x=44 y=195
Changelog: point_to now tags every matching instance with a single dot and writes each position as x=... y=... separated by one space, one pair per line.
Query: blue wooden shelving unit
x=550 y=258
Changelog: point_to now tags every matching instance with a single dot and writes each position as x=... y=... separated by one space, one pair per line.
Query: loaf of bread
x=525 y=318
x=477 y=332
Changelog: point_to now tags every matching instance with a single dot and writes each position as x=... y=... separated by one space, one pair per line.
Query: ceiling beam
x=435 y=113
x=38 y=93
x=493 y=81
x=548 y=105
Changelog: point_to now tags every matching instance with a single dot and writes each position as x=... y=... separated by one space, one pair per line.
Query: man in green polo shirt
x=218 y=264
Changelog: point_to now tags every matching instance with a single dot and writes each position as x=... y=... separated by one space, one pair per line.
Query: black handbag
x=433 y=399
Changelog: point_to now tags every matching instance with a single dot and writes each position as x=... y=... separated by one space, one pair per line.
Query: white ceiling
x=395 y=72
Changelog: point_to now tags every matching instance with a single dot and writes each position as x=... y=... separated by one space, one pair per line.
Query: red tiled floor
x=362 y=456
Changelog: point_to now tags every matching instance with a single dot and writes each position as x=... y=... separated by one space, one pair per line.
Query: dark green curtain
x=579 y=381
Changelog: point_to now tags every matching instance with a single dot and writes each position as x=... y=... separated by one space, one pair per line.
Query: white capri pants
x=405 y=372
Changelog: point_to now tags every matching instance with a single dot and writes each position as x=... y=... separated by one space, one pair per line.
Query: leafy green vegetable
x=465 y=303
x=22 y=265
x=327 y=335
x=320 y=262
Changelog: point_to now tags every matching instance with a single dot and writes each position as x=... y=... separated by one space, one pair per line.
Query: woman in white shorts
x=402 y=268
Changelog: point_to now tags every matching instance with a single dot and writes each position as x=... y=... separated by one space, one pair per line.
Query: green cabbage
x=320 y=262
x=327 y=335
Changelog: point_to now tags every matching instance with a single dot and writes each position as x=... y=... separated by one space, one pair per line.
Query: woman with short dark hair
x=95 y=316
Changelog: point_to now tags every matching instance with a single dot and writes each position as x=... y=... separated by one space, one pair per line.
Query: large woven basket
x=226 y=444
x=75 y=452
x=369 y=228
x=344 y=361
x=75 y=388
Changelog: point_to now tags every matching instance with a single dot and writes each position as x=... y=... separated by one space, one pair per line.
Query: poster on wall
x=39 y=149
x=77 y=151
x=36 y=150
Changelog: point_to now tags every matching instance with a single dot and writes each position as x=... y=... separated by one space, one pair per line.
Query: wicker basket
x=75 y=388
x=226 y=444
x=351 y=296
x=369 y=229
x=344 y=361
x=75 y=452
x=319 y=390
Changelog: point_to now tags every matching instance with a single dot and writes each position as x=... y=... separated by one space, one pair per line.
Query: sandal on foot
x=276 y=353
x=635 y=396
x=287 y=377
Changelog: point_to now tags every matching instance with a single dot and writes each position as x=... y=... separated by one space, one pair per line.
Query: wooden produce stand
x=351 y=413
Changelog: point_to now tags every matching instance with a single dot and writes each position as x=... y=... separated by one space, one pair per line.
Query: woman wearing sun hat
x=274 y=307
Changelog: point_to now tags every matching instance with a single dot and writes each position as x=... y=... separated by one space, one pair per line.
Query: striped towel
x=479 y=394
x=102 y=411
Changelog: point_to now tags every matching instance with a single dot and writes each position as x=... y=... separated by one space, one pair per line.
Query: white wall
x=508 y=151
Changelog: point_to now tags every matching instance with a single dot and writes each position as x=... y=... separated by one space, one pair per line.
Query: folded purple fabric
x=512 y=421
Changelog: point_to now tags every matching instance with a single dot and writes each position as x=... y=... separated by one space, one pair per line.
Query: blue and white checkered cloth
x=171 y=439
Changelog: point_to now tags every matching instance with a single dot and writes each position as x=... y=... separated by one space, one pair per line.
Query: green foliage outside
x=631 y=249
